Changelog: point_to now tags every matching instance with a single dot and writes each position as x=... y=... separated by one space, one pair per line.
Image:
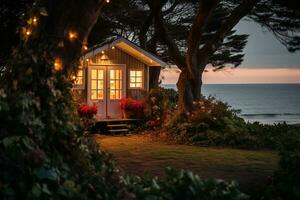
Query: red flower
x=130 y=104
x=85 y=110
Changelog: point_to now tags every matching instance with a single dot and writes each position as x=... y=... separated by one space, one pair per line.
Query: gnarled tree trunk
x=189 y=89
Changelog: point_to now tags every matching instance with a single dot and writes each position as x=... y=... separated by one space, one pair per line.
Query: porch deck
x=117 y=120
x=115 y=126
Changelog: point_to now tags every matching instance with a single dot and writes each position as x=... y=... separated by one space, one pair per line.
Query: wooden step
x=116 y=125
x=118 y=130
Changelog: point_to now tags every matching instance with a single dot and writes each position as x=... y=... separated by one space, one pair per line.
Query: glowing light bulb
x=112 y=47
x=57 y=64
x=72 y=35
x=102 y=52
x=87 y=60
x=107 y=1
x=34 y=20
x=28 y=32
x=85 y=47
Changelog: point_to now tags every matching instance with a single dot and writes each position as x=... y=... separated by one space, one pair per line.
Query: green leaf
x=10 y=140
x=46 y=190
x=36 y=190
x=48 y=174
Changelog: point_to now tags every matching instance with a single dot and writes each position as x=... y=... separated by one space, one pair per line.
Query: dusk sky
x=266 y=61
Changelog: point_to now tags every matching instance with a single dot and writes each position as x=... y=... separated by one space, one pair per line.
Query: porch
x=115 y=126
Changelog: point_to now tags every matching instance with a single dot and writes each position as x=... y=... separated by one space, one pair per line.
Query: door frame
x=106 y=74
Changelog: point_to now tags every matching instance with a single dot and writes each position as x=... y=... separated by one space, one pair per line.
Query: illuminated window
x=79 y=77
x=97 y=84
x=136 y=78
x=115 y=83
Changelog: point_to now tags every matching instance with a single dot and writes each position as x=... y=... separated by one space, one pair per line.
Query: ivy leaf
x=49 y=174
x=46 y=190
x=36 y=190
x=28 y=143
x=10 y=140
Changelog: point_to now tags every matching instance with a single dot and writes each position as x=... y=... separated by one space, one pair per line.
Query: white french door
x=106 y=87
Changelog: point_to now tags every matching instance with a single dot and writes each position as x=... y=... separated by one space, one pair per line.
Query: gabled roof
x=129 y=48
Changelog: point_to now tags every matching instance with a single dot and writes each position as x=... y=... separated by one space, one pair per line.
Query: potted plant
x=131 y=108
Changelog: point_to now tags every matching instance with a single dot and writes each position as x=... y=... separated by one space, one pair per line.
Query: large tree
x=204 y=40
x=134 y=20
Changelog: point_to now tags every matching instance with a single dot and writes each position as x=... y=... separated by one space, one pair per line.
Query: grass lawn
x=139 y=155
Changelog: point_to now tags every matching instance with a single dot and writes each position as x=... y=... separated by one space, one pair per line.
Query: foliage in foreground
x=182 y=185
x=286 y=183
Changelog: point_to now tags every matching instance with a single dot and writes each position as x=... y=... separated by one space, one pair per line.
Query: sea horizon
x=240 y=84
x=267 y=103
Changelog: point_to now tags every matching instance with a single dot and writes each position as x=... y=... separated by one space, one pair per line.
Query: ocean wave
x=270 y=114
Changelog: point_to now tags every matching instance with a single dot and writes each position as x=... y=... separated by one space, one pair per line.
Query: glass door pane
x=115 y=84
x=97 y=84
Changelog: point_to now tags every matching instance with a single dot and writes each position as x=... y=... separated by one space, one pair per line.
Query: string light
x=87 y=60
x=107 y=1
x=102 y=52
x=85 y=47
x=34 y=20
x=28 y=32
x=72 y=35
x=57 y=64
x=112 y=47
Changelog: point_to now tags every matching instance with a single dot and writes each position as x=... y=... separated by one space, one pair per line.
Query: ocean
x=265 y=103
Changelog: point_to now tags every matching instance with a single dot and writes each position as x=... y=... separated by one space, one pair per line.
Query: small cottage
x=113 y=70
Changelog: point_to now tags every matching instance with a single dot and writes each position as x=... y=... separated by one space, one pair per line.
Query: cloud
x=241 y=76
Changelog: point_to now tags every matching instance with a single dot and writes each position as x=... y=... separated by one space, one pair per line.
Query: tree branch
x=165 y=37
x=195 y=35
x=144 y=29
x=236 y=15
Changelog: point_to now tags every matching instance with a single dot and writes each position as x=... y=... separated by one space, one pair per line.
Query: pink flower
x=201 y=103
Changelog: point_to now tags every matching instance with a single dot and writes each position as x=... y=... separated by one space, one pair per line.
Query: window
x=79 y=77
x=136 y=78
x=97 y=84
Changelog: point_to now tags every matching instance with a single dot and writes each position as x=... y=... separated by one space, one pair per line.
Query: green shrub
x=215 y=123
x=212 y=123
x=286 y=184
x=159 y=105
x=182 y=185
